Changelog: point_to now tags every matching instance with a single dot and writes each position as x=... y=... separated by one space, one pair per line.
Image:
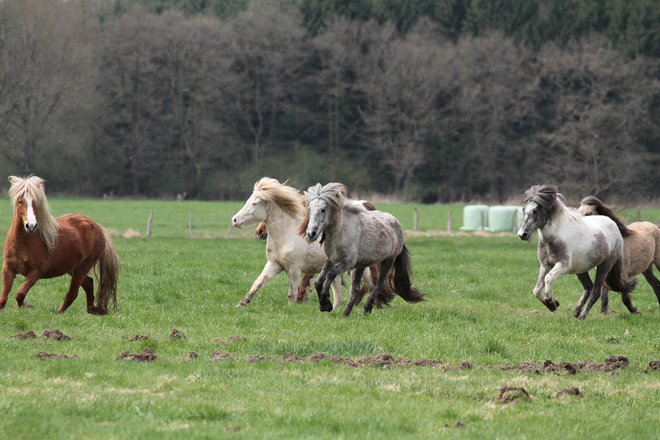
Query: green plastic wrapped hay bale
x=472 y=217
x=502 y=218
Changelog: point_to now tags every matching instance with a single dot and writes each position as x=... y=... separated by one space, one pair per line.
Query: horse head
x=267 y=192
x=253 y=211
x=323 y=203
x=540 y=205
x=591 y=205
x=26 y=195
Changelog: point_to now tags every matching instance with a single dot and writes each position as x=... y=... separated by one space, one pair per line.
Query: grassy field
x=480 y=310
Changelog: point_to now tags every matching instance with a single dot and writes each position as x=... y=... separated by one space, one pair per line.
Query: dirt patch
x=42 y=355
x=188 y=356
x=654 y=365
x=513 y=394
x=146 y=355
x=28 y=335
x=52 y=333
x=574 y=391
x=139 y=338
x=458 y=424
x=220 y=356
x=612 y=364
x=177 y=334
x=230 y=340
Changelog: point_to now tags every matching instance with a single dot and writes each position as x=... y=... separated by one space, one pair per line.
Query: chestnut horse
x=71 y=244
x=641 y=245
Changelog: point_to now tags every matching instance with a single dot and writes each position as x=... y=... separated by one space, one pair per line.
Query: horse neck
x=280 y=223
x=332 y=229
x=554 y=226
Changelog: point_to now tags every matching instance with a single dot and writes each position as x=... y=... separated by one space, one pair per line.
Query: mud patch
x=188 y=356
x=28 y=335
x=230 y=340
x=219 y=355
x=146 y=355
x=513 y=394
x=612 y=365
x=654 y=365
x=140 y=338
x=458 y=425
x=177 y=334
x=52 y=333
x=574 y=391
x=42 y=355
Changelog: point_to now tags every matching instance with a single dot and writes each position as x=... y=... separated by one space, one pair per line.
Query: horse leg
x=337 y=292
x=356 y=277
x=385 y=268
x=30 y=280
x=546 y=278
x=88 y=286
x=342 y=266
x=587 y=285
x=8 y=276
x=77 y=278
x=294 y=284
x=605 y=300
x=270 y=270
x=648 y=276
x=601 y=274
x=319 y=285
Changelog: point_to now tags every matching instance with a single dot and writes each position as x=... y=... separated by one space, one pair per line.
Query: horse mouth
x=31 y=229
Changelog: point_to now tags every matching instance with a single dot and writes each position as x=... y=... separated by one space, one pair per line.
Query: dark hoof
x=582 y=317
x=576 y=313
x=367 y=310
x=552 y=304
x=26 y=306
x=325 y=306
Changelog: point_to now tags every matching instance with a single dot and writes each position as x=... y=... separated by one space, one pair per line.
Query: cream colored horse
x=641 y=245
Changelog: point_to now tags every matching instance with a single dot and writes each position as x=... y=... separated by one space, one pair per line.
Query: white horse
x=282 y=208
x=356 y=238
x=571 y=243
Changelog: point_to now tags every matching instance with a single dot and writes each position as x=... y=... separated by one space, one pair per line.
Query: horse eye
x=20 y=202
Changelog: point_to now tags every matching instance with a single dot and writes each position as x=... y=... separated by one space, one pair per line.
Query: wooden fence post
x=151 y=219
x=449 y=221
x=416 y=217
x=515 y=220
x=482 y=220
x=190 y=223
x=231 y=224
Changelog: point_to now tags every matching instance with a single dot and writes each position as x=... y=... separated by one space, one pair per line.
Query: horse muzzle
x=524 y=235
x=312 y=235
x=31 y=227
x=237 y=224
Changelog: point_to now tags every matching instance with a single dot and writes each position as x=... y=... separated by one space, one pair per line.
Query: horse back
x=380 y=237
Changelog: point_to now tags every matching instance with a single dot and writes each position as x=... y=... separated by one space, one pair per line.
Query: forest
x=424 y=100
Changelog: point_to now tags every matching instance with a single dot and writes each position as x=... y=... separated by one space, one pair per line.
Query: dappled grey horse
x=355 y=238
x=571 y=243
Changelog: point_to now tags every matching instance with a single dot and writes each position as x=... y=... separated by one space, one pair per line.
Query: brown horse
x=641 y=245
x=71 y=244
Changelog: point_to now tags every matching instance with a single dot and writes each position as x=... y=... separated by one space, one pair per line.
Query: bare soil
x=176 y=334
x=146 y=355
x=52 y=333
x=28 y=335
x=513 y=394
x=42 y=355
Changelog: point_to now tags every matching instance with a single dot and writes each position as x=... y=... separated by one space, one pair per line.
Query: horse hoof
x=582 y=317
x=26 y=306
x=240 y=304
x=325 y=305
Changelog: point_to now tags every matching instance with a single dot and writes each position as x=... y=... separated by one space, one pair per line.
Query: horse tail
x=400 y=278
x=615 y=280
x=385 y=296
x=107 y=274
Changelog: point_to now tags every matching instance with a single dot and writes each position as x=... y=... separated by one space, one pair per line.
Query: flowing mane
x=33 y=187
x=601 y=209
x=334 y=194
x=288 y=198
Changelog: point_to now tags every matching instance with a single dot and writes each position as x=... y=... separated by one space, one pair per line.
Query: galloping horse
x=641 y=245
x=571 y=243
x=262 y=234
x=71 y=244
x=356 y=238
x=281 y=207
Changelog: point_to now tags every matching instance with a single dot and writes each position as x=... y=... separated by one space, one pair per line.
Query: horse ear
x=12 y=180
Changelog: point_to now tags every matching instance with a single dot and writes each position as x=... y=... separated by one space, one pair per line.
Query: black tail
x=400 y=278
x=385 y=296
x=616 y=282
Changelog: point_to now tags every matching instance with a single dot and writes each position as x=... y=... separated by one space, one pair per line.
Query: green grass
x=479 y=309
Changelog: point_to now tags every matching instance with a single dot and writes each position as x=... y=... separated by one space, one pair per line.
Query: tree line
x=441 y=100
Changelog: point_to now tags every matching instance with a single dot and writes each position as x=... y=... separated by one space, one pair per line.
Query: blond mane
x=285 y=196
x=33 y=187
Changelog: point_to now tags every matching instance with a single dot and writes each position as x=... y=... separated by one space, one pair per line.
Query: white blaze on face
x=31 y=217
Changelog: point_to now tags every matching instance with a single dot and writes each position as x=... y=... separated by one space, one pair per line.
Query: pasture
x=479 y=310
